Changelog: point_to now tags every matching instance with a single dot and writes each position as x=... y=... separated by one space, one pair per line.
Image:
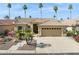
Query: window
x=19 y=27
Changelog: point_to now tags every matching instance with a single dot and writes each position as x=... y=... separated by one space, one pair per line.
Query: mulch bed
x=28 y=47
x=6 y=45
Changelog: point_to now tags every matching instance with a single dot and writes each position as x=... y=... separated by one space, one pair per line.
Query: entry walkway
x=20 y=44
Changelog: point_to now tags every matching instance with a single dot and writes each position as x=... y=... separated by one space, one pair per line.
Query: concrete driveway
x=58 y=45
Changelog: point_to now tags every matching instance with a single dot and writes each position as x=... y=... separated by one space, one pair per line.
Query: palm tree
x=16 y=18
x=6 y=17
x=19 y=17
x=30 y=16
x=54 y=16
x=68 y=18
x=55 y=8
x=61 y=19
x=25 y=8
x=9 y=6
x=41 y=6
x=70 y=9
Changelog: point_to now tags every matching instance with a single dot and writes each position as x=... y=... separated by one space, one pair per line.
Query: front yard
x=26 y=41
x=57 y=45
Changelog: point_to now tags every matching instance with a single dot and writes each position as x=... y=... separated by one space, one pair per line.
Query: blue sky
x=34 y=11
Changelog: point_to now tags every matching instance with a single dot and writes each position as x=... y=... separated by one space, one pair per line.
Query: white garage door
x=51 y=32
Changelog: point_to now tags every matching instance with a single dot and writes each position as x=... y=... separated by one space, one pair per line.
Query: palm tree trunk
x=9 y=12
x=41 y=12
x=56 y=15
x=70 y=14
x=25 y=13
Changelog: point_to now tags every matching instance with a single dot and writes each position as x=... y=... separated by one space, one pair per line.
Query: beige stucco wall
x=24 y=27
x=7 y=27
x=77 y=28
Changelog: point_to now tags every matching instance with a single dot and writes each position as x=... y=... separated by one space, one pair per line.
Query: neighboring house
x=77 y=25
x=7 y=25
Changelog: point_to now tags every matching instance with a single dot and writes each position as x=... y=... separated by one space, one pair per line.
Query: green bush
x=23 y=34
x=77 y=32
x=28 y=31
x=1 y=35
x=7 y=39
x=72 y=33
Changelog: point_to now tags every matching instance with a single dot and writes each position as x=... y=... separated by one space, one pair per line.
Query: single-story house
x=43 y=27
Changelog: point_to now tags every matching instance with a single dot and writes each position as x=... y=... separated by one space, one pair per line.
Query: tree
x=70 y=7
x=6 y=17
x=68 y=18
x=25 y=8
x=54 y=16
x=30 y=16
x=16 y=17
x=19 y=17
x=41 y=6
x=61 y=19
x=55 y=8
x=9 y=6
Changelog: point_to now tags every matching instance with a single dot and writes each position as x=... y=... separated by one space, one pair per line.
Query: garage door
x=51 y=32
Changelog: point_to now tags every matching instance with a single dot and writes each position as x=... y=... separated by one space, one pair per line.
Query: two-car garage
x=51 y=28
x=51 y=31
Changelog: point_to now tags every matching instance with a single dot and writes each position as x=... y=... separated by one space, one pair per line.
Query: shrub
x=7 y=39
x=27 y=34
x=6 y=32
x=72 y=33
x=28 y=31
x=1 y=35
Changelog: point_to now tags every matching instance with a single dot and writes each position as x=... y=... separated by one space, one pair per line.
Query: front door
x=35 y=28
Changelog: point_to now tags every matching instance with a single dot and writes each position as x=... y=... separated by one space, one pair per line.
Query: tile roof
x=51 y=22
x=33 y=20
x=43 y=22
x=7 y=22
x=59 y=23
x=39 y=20
x=69 y=22
x=22 y=22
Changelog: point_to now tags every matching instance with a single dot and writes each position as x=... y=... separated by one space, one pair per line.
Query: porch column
x=15 y=28
x=32 y=28
x=39 y=31
x=62 y=31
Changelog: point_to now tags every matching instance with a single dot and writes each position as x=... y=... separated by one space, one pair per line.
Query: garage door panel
x=51 y=32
